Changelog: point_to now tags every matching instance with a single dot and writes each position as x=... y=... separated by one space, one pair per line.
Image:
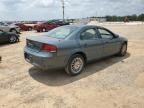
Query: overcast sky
x=51 y=9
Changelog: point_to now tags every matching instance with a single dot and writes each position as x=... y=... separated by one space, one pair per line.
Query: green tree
x=141 y=17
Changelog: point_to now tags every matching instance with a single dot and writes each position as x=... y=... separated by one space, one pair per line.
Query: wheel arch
x=80 y=53
x=67 y=68
x=125 y=42
x=12 y=29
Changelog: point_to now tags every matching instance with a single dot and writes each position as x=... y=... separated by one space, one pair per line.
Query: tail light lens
x=49 y=48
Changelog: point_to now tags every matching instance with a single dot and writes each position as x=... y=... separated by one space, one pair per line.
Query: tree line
x=126 y=18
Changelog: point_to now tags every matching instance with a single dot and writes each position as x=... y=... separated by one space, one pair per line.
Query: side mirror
x=116 y=35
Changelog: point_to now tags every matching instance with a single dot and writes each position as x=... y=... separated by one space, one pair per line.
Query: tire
x=75 y=65
x=123 y=50
x=43 y=30
x=13 y=31
x=30 y=29
x=13 y=39
x=38 y=30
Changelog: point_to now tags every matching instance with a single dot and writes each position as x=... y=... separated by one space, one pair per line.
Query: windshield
x=61 y=32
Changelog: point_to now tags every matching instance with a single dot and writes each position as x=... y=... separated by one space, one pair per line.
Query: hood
x=13 y=26
x=123 y=38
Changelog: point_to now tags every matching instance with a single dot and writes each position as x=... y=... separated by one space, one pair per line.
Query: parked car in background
x=9 y=28
x=46 y=26
x=8 y=37
x=24 y=27
x=61 y=23
x=72 y=47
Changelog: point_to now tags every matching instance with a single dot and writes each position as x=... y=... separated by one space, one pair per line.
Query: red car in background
x=24 y=27
x=46 y=26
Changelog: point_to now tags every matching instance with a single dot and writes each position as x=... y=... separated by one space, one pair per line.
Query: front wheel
x=38 y=30
x=75 y=65
x=123 y=50
x=13 y=39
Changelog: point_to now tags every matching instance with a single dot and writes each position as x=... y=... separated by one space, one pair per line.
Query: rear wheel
x=75 y=65
x=13 y=39
x=43 y=30
x=38 y=30
x=30 y=28
x=123 y=50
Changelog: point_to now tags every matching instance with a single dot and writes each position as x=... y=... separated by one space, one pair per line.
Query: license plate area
x=28 y=57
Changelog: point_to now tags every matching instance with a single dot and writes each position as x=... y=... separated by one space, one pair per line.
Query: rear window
x=61 y=32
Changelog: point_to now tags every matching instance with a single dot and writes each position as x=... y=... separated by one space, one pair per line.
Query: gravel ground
x=113 y=82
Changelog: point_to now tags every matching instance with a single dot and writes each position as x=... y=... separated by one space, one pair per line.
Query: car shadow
x=8 y=44
x=60 y=78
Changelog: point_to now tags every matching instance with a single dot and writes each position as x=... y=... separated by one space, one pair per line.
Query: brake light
x=49 y=48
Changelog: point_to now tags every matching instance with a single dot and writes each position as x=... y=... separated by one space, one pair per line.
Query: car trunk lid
x=36 y=42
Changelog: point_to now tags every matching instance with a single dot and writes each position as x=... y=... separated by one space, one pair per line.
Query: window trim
x=96 y=35
x=107 y=31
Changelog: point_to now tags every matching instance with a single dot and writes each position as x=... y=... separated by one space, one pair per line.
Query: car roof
x=83 y=26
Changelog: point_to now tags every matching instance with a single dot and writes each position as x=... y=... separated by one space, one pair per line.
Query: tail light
x=49 y=48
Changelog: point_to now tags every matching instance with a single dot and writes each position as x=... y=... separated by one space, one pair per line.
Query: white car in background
x=9 y=28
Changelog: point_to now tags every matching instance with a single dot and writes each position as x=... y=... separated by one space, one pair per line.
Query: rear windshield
x=61 y=32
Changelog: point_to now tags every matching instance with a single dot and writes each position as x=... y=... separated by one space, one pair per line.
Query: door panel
x=111 y=44
x=92 y=48
x=3 y=38
x=91 y=44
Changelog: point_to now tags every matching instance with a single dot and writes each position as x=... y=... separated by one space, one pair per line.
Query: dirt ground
x=111 y=83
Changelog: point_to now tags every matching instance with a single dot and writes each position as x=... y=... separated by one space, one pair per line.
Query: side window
x=89 y=34
x=105 y=34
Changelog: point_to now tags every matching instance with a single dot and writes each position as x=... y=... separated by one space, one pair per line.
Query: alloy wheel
x=77 y=65
x=123 y=50
x=13 y=39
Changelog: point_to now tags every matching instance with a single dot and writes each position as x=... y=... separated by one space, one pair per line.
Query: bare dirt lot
x=111 y=83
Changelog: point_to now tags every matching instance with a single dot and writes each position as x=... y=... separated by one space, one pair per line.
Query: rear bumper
x=44 y=60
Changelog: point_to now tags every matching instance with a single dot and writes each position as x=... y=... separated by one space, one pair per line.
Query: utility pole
x=63 y=7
